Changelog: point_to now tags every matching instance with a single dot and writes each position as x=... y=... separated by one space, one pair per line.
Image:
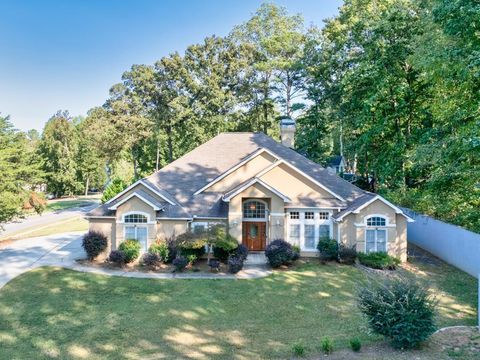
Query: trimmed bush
x=241 y=252
x=235 y=264
x=131 y=248
x=224 y=247
x=180 y=263
x=298 y=349
x=160 y=248
x=296 y=252
x=278 y=253
x=378 y=260
x=117 y=257
x=399 y=309
x=328 y=249
x=172 y=249
x=327 y=345
x=192 y=244
x=355 y=344
x=347 y=255
x=191 y=259
x=151 y=260
x=94 y=244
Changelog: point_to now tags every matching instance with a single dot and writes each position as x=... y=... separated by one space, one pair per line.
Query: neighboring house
x=336 y=164
x=261 y=190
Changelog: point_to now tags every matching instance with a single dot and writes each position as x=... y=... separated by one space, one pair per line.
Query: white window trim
x=383 y=216
x=316 y=221
x=136 y=226
x=376 y=228
x=149 y=222
x=264 y=219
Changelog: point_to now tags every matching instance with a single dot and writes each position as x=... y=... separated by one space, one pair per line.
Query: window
x=323 y=215
x=199 y=227
x=139 y=233
x=376 y=240
x=376 y=221
x=324 y=231
x=294 y=234
x=135 y=218
x=253 y=209
x=294 y=215
x=309 y=215
x=310 y=236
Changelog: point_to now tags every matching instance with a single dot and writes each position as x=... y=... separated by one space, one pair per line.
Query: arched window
x=254 y=209
x=376 y=221
x=135 y=218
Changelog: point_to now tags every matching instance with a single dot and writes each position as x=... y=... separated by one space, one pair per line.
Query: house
x=260 y=190
x=336 y=164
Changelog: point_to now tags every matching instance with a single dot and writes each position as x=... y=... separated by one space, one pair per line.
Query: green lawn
x=55 y=313
x=74 y=224
x=66 y=204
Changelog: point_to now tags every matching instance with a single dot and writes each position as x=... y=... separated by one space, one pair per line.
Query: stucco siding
x=104 y=226
x=294 y=185
x=243 y=173
x=168 y=228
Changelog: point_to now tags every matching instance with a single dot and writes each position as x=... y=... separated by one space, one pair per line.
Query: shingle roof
x=182 y=178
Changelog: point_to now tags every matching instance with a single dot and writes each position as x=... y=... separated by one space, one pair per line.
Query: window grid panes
x=309 y=236
x=254 y=210
x=309 y=215
x=136 y=218
x=294 y=215
x=376 y=221
x=323 y=215
x=324 y=231
x=295 y=234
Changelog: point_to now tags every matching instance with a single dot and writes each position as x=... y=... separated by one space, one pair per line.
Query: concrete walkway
x=64 y=249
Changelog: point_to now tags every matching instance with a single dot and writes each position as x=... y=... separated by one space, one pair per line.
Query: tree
x=277 y=40
x=58 y=149
x=14 y=166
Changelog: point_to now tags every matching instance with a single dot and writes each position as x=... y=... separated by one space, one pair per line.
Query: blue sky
x=66 y=54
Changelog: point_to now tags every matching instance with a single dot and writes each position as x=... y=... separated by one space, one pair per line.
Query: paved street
x=45 y=219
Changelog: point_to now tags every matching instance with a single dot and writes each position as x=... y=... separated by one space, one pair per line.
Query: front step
x=256 y=258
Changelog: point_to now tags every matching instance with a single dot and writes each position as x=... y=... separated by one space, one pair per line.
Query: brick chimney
x=287 y=132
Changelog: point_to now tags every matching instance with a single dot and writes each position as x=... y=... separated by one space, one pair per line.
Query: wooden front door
x=255 y=235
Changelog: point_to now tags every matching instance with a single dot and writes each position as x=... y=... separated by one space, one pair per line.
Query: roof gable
x=238 y=189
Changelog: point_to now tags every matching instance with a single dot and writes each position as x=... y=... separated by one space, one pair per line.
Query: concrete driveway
x=24 y=255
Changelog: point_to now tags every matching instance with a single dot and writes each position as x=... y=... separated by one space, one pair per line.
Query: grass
x=56 y=313
x=65 y=204
x=73 y=224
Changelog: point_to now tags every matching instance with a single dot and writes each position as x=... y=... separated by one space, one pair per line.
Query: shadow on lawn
x=65 y=314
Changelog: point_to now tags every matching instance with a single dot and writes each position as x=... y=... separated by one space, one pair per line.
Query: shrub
x=172 y=249
x=355 y=344
x=328 y=249
x=298 y=349
x=151 y=260
x=224 y=247
x=180 y=263
x=400 y=310
x=241 y=252
x=160 y=248
x=347 y=255
x=279 y=253
x=94 y=244
x=191 y=259
x=378 y=260
x=214 y=264
x=235 y=264
x=131 y=248
x=117 y=257
x=192 y=244
x=327 y=345
x=296 y=252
